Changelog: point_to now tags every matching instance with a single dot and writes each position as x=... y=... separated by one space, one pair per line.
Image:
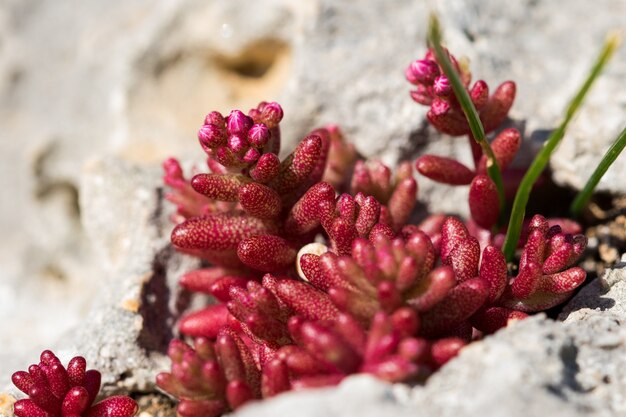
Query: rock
x=134 y=300
x=535 y=367
x=132 y=320
x=603 y=296
x=359 y=395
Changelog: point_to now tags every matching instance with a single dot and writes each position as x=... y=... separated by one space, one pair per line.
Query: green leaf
x=541 y=160
x=473 y=119
x=609 y=157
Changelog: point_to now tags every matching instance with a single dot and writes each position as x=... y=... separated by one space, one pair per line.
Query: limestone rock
x=134 y=300
x=359 y=395
x=132 y=320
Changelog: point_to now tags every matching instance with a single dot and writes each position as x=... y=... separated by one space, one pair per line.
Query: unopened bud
x=237 y=144
x=259 y=135
x=272 y=114
x=441 y=86
x=251 y=156
x=211 y=136
x=238 y=123
x=424 y=71
x=214 y=118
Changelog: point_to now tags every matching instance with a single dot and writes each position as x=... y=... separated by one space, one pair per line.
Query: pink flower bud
x=211 y=136
x=423 y=71
x=272 y=114
x=238 y=123
x=441 y=86
x=237 y=144
x=214 y=118
x=251 y=156
x=259 y=135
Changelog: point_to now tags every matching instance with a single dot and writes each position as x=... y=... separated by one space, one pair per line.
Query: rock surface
x=134 y=300
x=131 y=322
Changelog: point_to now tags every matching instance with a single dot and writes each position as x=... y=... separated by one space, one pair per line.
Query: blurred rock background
x=86 y=79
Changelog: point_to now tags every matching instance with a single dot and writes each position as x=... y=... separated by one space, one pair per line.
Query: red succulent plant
x=433 y=89
x=57 y=391
x=317 y=270
x=445 y=114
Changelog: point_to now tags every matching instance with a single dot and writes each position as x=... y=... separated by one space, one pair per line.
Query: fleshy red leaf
x=483 y=201
x=445 y=170
x=266 y=253
x=116 y=406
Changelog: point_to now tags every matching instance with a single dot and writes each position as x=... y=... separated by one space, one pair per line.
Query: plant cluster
x=58 y=391
x=319 y=273
x=318 y=270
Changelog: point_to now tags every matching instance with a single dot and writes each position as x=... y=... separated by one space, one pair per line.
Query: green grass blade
x=609 y=157
x=541 y=160
x=476 y=126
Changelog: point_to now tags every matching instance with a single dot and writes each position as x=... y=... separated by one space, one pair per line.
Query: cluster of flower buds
x=262 y=201
x=56 y=391
x=378 y=295
x=432 y=88
x=483 y=194
x=247 y=146
x=237 y=141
